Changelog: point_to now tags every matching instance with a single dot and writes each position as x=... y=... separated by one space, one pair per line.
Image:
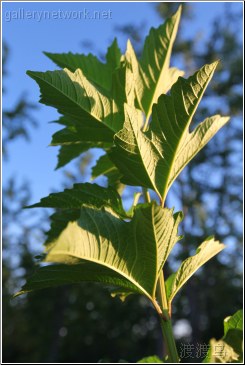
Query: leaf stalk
x=165 y=321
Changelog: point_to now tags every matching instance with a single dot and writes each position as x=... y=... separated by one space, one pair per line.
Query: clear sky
x=31 y=28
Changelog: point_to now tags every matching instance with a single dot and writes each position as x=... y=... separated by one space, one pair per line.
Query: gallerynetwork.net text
x=39 y=15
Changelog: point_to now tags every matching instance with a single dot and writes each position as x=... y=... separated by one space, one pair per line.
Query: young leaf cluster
x=139 y=111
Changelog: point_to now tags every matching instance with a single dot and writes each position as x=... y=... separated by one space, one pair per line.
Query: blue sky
x=28 y=38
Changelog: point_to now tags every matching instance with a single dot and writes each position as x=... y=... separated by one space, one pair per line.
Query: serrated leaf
x=95 y=116
x=56 y=275
x=205 y=252
x=82 y=133
x=135 y=250
x=70 y=152
x=58 y=222
x=79 y=133
x=121 y=293
x=96 y=71
x=150 y=360
x=133 y=153
x=100 y=89
x=113 y=55
x=83 y=194
x=103 y=166
x=70 y=140
x=155 y=158
x=234 y=322
x=230 y=348
x=151 y=74
x=92 y=68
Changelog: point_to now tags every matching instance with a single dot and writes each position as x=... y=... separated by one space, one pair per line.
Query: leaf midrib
x=157 y=253
x=201 y=145
x=179 y=286
x=145 y=167
x=62 y=252
x=148 y=114
x=185 y=131
x=68 y=97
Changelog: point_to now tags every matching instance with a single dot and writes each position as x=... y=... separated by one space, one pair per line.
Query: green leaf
x=133 y=153
x=68 y=153
x=155 y=158
x=230 y=348
x=77 y=132
x=121 y=293
x=152 y=75
x=94 y=70
x=103 y=166
x=205 y=252
x=70 y=149
x=59 y=221
x=94 y=115
x=150 y=359
x=233 y=322
x=135 y=250
x=113 y=55
x=114 y=180
x=83 y=194
x=74 y=273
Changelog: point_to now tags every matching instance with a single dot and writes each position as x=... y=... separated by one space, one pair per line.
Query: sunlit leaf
x=152 y=74
x=230 y=348
x=155 y=158
x=150 y=360
x=94 y=70
x=205 y=252
x=94 y=115
x=135 y=250
x=83 y=194
x=103 y=166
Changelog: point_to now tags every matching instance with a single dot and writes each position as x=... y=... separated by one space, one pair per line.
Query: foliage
x=67 y=307
x=123 y=107
x=150 y=359
x=230 y=347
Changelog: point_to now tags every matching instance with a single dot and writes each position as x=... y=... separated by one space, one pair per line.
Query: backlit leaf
x=229 y=349
x=83 y=194
x=205 y=252
x=135 y=250
x=152 y=74
x=155 y=158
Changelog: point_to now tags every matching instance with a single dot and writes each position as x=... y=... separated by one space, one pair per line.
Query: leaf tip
x=179 y=10
x=48 y=54
x=21 y=292
x=214 y=64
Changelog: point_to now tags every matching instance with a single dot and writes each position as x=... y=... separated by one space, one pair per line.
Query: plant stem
x=168 y=336
x=146 y=194
x=165 y=321
x=163 y=311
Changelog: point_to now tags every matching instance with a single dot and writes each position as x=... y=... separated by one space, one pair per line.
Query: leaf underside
x=229 y=349
x=155 y=158
x=136 y=251
x=205 y=252
x=83 y=194
x=121 y=106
